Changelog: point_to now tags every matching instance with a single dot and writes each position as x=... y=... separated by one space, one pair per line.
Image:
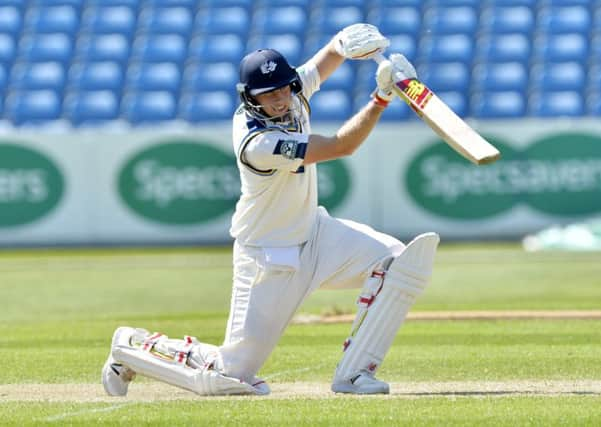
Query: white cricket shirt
x=278 y=204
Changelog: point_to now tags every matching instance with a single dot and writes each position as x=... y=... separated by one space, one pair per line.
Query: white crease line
x=294 y=371
x=87 y=411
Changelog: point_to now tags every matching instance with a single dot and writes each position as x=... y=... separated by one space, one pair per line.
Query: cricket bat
x=448 y=125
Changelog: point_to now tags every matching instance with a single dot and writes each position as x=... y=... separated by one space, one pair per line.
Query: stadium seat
x=166 y=20
x=96 y=76
x=504 y=76
x=91 y=107
x=46 y=47
x=379 y=4
x=3 y=79
x=397 y=110
x=447 y=48
x=54 y=19
x=288 y=45
x=403 y=43
x=450 y=20
x=574 y=19
x=396 y=20
x=207 y=106
x=8 y=49
x=544 y=3
x=148 y=107
x=451 y=3
x=247 y=4
x=561 y=48
x=593 y=104
x=457 y=101
x=220 y=76
x=331 y=105
x=558 y=77
x=104 y=47
x=503 y=48
x=280 y=20
x=109 y=20
x=507 y=20
x=164 y=76
x=217 y=48
x=490 y=105
x=38 y=76
x=529 y=3
x=451 y=76
x=32 y=107
x=160 y=48
x=133 y=4
x=556 y=104
x=343 y=3
x=342 y=79
x=11 y=20
x=223 y=20
x=594 y=78
x=330 y=20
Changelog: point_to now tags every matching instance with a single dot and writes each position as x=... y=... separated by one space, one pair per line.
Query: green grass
x=59 y=309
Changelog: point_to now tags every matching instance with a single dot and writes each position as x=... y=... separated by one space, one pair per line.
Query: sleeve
x=309 y=76
x=265 y=152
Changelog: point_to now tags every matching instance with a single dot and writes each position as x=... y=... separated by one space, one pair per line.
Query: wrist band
x=379 y=101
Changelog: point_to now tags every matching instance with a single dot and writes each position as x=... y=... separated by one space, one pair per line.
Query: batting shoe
x=362 y=383
x=115 y=376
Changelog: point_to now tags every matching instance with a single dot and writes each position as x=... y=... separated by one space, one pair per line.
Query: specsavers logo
x=558 y=175
x=334 y=182
x=31 y=185
x=180 y=183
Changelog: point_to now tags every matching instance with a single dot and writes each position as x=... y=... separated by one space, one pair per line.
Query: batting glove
x=360 y=41
x=383 y=93
x=403 y=66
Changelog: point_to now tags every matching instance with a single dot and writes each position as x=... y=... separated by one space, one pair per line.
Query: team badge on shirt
x=288 y=149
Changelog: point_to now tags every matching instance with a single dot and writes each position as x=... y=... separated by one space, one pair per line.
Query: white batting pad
x=405 y=279
x=173 y=369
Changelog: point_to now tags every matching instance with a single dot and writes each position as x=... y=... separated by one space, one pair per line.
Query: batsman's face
x=276 y=102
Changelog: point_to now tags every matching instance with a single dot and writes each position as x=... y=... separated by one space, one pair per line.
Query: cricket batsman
x=286 y=246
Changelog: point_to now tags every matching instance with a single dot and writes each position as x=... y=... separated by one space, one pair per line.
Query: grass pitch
x=59 y=309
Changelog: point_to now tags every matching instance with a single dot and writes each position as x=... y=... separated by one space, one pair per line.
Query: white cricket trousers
x=340 y=254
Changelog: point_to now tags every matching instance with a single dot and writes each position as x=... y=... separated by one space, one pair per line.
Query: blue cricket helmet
x=265 y=70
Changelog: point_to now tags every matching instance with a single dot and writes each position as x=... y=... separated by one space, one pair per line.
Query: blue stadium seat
x=502 y=3
x=223 y=20
x=503 y=48
x=11 y=20
x=148 y=107
x=457 y=101
x=556 y=104
x=96 y=76
x=396 y=20
x=490 y=105
x=342 y=79
x=220 y=76
x=109 y=20
x=594 y=78
x=342 y=3
x=3 y=79
x=544 y=3
x=558 y=77
x=451 y=76
x=160 y=48
x=593 y=104
x=330 y=20
x=32 y=107
x=163 y=76
x=503 y=76
x=379 y=4
x=91 y=107
x=561 y=48
x=217 y=48
x=8 y=49
x=450 y=3
x=447 y=48
x=450 y=20
x=54 y=19
x=331 y=105
x=247 y=4
x=403 y=43
x=77 y=4
x=46 y=47
x=104 y=47
x=575 y=19
x=207 y=106
x=166 y=20
x=397 y=110
x=280 y=20
x=133 y=4
x=365 y=77
x=507 y=20
x=38 y=76
x=288 y=45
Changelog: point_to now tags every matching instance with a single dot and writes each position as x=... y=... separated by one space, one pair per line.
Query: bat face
x=448 y=125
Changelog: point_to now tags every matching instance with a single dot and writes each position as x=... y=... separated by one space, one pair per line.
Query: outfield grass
x=59 y=309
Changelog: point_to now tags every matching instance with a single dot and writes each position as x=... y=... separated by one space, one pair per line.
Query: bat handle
x=379 y=57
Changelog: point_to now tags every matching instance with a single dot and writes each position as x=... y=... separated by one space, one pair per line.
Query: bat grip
x=379 y=57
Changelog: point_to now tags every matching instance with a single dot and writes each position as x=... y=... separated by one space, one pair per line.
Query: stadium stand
x=147 y=61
